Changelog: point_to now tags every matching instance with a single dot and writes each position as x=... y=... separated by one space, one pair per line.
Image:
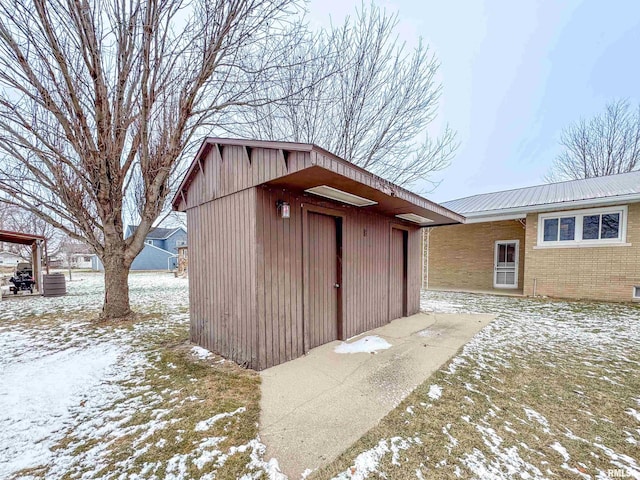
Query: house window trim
x=148 y=242
x=579 y=216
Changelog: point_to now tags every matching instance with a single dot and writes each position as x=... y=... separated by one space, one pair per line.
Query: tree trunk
x=116 y=288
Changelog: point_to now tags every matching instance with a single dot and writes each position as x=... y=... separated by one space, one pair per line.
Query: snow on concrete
x=368 y=344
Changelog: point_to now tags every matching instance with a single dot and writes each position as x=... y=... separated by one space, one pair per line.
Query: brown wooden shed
x=264 y=288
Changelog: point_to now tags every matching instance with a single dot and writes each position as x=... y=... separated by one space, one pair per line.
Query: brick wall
x=461 y=257
x=599 y=273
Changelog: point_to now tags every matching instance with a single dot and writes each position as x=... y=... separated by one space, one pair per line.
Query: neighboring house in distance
x=9 y=259
x=160 y=251
x=578 y=239
x=81 y=260
x=73 y=254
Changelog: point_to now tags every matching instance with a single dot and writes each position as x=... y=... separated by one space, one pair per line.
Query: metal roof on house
x=590 y=191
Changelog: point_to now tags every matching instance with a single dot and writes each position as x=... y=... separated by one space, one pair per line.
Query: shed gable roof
x=299 y=166
x=607 y=189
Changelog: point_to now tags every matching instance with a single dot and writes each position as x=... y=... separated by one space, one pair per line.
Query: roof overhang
x=20 y=238
x=386 y=203
x=391 y=199
x=521 y=212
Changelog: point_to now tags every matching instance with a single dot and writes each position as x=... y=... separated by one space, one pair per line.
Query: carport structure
x=38 y=245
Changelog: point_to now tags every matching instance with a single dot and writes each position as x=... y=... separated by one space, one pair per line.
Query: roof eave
x=307 y=147
x=521 y=212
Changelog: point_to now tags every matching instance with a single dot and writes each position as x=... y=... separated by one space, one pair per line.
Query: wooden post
x=36 y=263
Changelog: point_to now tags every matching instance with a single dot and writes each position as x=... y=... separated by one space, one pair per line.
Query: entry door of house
x=323 y=279
x=506 y=264
x=398 y=274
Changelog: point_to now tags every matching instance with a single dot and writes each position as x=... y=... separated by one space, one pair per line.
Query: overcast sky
x=514 y=73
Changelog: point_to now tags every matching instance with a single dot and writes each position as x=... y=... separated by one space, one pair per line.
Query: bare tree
x=374 y=112
x=100 y=100
x=606 y=144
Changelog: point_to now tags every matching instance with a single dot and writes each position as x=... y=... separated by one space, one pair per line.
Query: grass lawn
x=82 y=400
x=548 y=390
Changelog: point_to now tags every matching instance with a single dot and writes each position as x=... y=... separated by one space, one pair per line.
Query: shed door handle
x=336 y=285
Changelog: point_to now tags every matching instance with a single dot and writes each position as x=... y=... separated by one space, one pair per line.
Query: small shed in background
x=183 y=261
x=38 y=243
x=292 y=247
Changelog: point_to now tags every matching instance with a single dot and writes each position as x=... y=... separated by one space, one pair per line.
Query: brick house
x=578 y=239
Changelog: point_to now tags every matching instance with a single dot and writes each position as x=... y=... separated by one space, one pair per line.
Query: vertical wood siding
x=365 y=273
x=247 y=280
x=279 y=280
x=222 y=276
x=232 y=168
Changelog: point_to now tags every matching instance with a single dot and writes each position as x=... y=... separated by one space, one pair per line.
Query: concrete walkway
x=316 y=406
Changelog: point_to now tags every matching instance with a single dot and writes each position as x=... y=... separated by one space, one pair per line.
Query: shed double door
x=324 y=234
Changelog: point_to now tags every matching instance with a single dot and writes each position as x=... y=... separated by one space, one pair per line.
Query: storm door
x=505 y=272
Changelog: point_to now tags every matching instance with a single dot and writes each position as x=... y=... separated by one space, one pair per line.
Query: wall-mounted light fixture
x=284 y=209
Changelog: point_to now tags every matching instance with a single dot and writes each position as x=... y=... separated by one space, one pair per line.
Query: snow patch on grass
x=207 y=424
x=367 y=462
x=634 y=413
x=572 y=359
x=73 y=392
x=38 y=400
x=561 y=450
x=201 y=353
x=533 y=415
x=435 y=392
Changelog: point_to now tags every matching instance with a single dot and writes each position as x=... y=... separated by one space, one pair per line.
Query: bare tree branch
x=374 y=111
x=100 y=102
x=607 y=144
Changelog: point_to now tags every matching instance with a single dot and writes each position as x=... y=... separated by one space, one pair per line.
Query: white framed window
x=583 y=228
x=149 y=242
x=636 y=292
